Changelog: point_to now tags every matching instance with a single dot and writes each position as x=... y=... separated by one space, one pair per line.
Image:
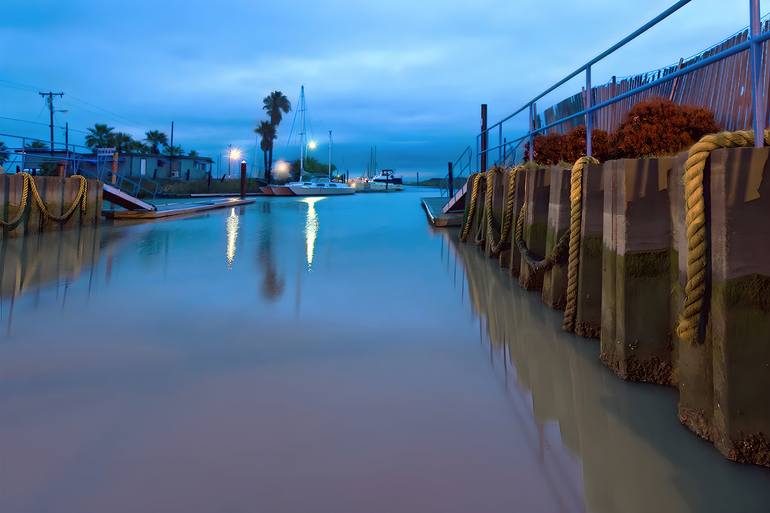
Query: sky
x=405 y=76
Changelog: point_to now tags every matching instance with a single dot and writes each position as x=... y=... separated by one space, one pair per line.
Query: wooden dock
x=175 y=209
x=433 y=209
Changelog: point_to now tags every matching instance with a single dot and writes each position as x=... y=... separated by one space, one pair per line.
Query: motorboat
x=387 y=176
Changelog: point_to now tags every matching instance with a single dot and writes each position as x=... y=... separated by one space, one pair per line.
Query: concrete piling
x=740 y=302
x=635 y=339
x=589 y=305
x=555 y=279
x=513 y=257
x=538 y=189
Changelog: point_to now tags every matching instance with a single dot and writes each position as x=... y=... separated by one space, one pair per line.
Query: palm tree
x=176 y=150
x=100 y=136
x=36 y=145
x=121 y=141
x=137 y=147
x=276 y=104
x=156 y=139
x=193 y=154
x=267 y=134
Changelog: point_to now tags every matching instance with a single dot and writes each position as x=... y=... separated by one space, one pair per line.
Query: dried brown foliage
x=658 y=127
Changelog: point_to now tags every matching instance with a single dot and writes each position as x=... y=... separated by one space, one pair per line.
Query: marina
x=455 y=271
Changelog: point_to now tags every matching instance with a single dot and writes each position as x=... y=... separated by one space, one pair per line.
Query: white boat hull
x=314 y=189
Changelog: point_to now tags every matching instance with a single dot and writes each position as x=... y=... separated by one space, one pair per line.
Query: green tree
x=122 y=142
x=267 y=134
x=172 y=152
x=193 y=154
x=100 y=136
x=155 y=139
x=3 y=153
x=137 y=147
x=36 y=145
x=276 y=104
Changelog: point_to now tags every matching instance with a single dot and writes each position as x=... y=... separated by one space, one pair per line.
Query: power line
x=49 y=100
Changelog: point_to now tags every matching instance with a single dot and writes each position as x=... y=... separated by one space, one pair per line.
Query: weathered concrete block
x=538 y=191
x=740 y=302
x=635 y=329
x=589 y=306
x=692 y=363
x=555 y=279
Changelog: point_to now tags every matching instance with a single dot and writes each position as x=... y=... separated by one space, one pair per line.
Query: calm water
x=332 y=355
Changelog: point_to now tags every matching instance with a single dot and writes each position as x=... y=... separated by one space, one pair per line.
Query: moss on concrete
x=648 y=264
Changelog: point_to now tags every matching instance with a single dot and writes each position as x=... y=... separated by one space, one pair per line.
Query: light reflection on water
x=405 y=373
x=311 y=229
x=231 y=227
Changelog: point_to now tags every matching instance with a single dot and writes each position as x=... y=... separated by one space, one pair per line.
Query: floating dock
x=433 y=209
x=175 y=209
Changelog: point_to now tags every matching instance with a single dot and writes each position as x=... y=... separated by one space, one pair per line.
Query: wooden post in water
x=243 y=179
x=115 y=156
x=450 y=180
x=484 y=138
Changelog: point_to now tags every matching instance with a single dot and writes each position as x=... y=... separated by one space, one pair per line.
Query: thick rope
x=575 y=221
x=505 y=229
x=29 y=185
x=11 y=224
x=473 y=182
x=695 y=222
x=537 y=264
x=489 y=219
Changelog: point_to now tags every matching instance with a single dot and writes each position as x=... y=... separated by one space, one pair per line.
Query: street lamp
x=312 y=145
x=232 y=154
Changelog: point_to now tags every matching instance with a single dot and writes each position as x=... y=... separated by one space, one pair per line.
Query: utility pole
x=49 y=100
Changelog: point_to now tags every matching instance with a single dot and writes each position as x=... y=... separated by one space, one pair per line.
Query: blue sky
x=405 y=76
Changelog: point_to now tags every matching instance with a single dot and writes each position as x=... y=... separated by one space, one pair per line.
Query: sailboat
x=318 y=186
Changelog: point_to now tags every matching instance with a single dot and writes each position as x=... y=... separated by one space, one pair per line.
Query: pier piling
x=555 y=279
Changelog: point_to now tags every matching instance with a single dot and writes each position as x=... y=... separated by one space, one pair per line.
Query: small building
x=130 y=165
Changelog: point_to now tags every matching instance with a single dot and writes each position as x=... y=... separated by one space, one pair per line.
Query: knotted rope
x=29 y=185
x=695 y=223
x=473 y=182
x=505 y=229
x=536 y=263
x=575 y=226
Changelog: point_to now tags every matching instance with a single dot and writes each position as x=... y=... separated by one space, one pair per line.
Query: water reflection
x=633 y=454
x=272 y=283
x=311 y=229
x=231 y=227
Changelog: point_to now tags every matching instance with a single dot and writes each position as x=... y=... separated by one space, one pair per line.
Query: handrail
x=633 y=35
x=753 y=43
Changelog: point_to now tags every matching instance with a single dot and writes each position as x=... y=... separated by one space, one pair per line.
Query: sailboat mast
x=302 y=134
x=330 y=155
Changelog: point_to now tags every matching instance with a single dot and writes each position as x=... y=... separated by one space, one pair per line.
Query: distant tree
x=100 y=136
x=156 y=139
x=267 y=134
x=3 y=153
x=36 y=145
x=175 y=151
x=137 y=147
x=313 y=166
x=193 y=154
x=122 y=142
x=276 y=104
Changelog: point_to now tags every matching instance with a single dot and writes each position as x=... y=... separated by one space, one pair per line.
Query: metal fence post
x=589 y=103
x=484 y=138
x=450 y=180
x=500 y=143
x=757 y=94
x=531 y=130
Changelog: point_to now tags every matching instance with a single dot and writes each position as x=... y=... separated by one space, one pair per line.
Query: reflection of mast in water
x=231 y=227
x=272 y=283
x=311 y=229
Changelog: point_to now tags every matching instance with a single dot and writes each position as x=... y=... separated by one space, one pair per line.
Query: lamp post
x=243 y=179
x=232 y=154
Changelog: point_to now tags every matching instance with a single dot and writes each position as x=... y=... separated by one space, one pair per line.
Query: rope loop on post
x=688 y=328
x=575 y=228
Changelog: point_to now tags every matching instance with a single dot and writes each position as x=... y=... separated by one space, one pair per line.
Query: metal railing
x=753 y=44
x=460 y=168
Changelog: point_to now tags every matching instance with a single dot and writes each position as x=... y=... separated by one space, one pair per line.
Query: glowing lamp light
x=312 y=145
x=282 y=167
x=235 y=154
